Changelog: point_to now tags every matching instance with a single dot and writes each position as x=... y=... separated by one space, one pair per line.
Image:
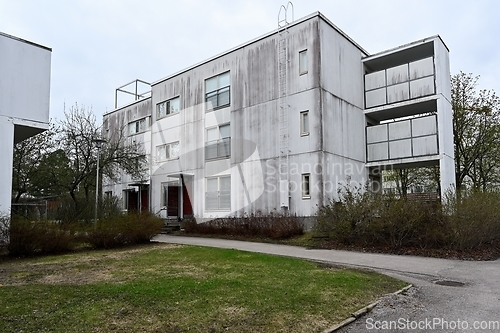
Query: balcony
x=402 y=139
x=405 y=82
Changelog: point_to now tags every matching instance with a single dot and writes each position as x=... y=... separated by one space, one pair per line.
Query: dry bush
x=467 y=221
x=473 y=219
x=273 y=225
x=39 y=237
x=123 y=230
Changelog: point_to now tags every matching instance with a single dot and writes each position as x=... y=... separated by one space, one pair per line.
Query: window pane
x=132 y=128
x=211 y=100
x=161 y=153
x=225 y=131
x=305 y=122
x=225 y=193
x=161 y=109
x=212 y=134
x=224 y=97
x=174 y=150
x=224 y=80
x=141 y=125
x=305 y=185
x=211 y=84
x=225 y=201
x=174 y=105
x=212 y=185
x=225 y=184
x=303 y=61
x=211 y=201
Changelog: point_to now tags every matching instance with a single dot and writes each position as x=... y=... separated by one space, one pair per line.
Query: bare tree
x=78 y=134
x=476 y=124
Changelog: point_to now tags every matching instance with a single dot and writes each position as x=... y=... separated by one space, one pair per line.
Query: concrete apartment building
x=24 y=101
x=285 y=120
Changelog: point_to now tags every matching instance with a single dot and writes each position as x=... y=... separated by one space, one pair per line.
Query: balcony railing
x=218 y=149
x=404 y=82
x=402 y=139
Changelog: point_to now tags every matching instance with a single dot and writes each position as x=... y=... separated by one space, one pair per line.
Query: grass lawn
x=173 y=288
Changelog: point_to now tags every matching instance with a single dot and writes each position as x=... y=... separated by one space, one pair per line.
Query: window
x=303 y=62
x=217 y=91
x=218 y=193
x=306 y=186
x=304 y=123
x=137 y=126
x=168 y=151
x=169 y=107
x=218 y=142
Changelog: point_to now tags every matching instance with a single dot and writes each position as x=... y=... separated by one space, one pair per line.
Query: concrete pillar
x=6 y=156
x=446 y=149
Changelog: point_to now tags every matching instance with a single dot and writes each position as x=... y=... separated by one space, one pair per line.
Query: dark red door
x=186 y=203
x=173 y=201
x=145 y=199
x=132 y=201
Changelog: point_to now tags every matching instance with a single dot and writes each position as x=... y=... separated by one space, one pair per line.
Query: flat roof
x=25 y=41
x=294 y=23
x=407 y=52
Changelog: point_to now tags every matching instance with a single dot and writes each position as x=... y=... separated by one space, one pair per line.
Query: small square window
x=304 y=123
x=303 y=62
x=306 y=186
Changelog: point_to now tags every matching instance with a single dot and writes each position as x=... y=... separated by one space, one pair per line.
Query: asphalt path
x=448 y=295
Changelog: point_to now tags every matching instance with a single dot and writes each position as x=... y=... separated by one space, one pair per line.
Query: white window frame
x=303 y=130
x=169 y=156
x=303 y=67
x=138 y=126
x=219 y=89
x=306 y=186
x=165 y=107
x=218 y=195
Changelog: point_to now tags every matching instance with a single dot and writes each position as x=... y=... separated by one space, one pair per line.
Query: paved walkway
x=478 y=300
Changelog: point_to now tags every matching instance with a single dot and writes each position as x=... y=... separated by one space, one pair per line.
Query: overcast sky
x=99 y=45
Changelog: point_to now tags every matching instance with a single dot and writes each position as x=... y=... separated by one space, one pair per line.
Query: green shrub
x=123 y=230
x=39 y=237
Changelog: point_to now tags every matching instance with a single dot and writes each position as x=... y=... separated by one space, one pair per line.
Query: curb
x=361 y=312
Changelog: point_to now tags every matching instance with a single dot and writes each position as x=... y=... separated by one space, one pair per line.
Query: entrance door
x=173 y=200
x=132 y=201
x=145 y=198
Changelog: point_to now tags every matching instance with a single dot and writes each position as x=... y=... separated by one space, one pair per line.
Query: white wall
x=24 y=101
x=24 y=80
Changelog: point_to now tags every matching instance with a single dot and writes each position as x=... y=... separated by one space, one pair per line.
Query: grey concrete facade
x=212 y=137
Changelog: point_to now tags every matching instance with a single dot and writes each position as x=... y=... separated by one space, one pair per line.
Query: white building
x=24 y=101
x=280 y=122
